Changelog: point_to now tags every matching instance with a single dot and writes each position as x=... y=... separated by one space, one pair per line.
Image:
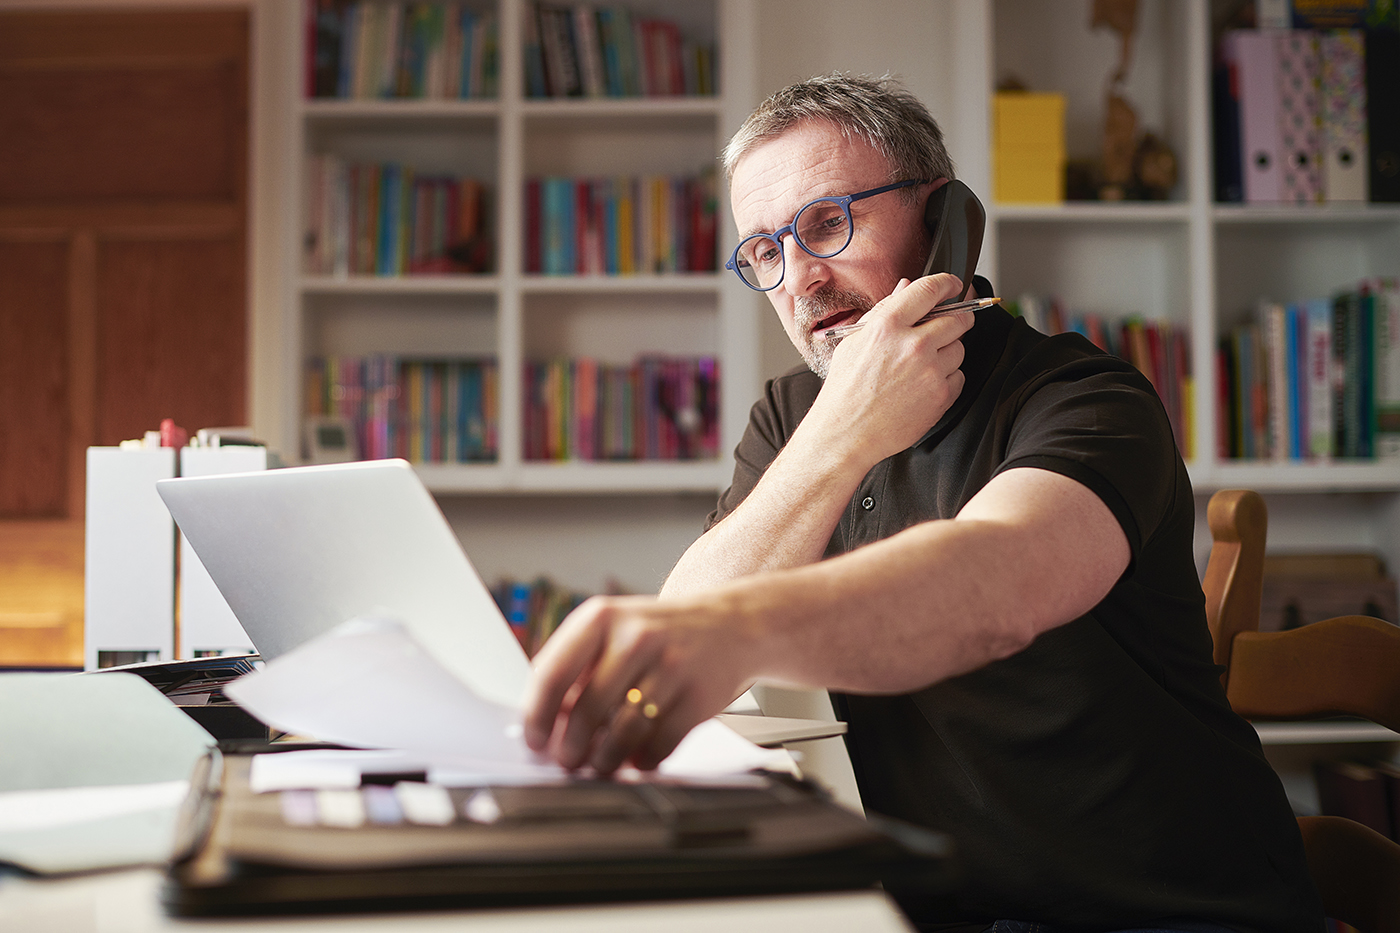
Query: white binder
x=1344 y=167
x=129 y=573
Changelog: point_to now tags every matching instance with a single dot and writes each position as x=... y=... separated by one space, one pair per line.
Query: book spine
x=534 y=226
x=451 y=412
x=1365 y=333
x=387 y=53
x=1386 y=322
x=1229 y=184
x=590 y=53
x=452 y=49
x=625 y=34
x=1244 y=380
x=1297 y=320
x=490 y=55
x=349 y=44
x=1319 y=378
x=386 y=247
x=1344 y=374
x=535 y=83
x=1273 y=327
x=1223 y=390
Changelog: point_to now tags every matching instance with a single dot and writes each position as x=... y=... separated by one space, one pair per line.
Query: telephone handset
x=957 y=221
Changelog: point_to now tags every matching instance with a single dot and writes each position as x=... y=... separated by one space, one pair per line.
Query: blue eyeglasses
x=822 y=228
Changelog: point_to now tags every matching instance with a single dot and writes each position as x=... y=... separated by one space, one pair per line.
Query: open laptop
x=298 y=551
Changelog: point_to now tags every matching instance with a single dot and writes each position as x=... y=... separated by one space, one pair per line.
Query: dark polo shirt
x=1098 y=779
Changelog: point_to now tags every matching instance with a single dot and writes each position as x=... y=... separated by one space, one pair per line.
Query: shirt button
x=867 y=503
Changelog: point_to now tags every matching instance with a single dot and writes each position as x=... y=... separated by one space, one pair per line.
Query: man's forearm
x=941 y=598
x=887 y=386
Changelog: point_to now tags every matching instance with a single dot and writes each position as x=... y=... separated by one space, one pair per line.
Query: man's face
x=813 y=160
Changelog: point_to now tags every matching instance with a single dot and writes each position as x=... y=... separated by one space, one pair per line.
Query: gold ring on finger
x=649 y=709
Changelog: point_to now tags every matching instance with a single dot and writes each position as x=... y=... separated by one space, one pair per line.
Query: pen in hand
x=842 y=330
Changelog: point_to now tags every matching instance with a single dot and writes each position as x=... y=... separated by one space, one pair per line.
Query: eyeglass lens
x=822 y=228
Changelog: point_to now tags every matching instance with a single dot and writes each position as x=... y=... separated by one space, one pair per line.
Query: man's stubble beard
x=809 y=309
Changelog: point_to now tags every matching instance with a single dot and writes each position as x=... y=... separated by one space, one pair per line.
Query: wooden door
x=123 y=193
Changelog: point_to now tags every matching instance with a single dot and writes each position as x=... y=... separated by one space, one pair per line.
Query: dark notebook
x=387 y=846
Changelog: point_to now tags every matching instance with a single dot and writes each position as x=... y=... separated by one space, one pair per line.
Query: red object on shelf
x=172 y=435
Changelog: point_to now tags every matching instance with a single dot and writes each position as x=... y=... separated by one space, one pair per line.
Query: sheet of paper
x=28 y=810
x=712 y=753
x=327 y=769
x=367 y=683
x=93 y=768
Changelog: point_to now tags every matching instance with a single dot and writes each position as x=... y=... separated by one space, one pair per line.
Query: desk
x=128 y=902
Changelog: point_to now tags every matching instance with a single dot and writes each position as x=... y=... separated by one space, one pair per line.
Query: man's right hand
x=891 y=381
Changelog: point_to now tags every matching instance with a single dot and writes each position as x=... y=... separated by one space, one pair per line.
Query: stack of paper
x=369 y=684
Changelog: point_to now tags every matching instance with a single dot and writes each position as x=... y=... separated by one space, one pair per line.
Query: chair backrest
x=1344 y=666
x=1347 y=666
x=1234 y=580
x=1356 y=870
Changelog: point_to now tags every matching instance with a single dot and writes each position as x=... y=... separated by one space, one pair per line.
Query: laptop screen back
x=297 y=551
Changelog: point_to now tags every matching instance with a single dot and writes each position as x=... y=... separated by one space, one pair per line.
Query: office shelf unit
x=515 y=317
x=1187 y=260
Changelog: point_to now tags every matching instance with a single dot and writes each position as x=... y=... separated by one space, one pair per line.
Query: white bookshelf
x=1187 y=259
x=1322 y=732
x=513 y=316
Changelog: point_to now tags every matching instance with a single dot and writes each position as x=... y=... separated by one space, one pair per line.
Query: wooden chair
x=1344 y=666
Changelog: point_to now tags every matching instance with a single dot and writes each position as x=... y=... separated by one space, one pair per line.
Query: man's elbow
x=1015 y=634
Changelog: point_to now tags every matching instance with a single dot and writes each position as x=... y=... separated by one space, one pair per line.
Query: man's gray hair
x=878 y=111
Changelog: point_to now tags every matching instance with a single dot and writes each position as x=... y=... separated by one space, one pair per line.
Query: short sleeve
x=1099 y=421
x=772 y=420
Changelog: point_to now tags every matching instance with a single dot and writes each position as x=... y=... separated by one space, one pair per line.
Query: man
x=980 y=539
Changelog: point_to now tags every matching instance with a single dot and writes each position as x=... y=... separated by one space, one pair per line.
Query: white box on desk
x=129 y=557
x=207 y=624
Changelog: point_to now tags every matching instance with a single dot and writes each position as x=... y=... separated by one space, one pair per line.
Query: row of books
x=534 y=608
x=1315 y=379
x=657 y=408
x=620 y=226
x=1161 y=350
x=385 y=219
x=1307 y=116
x=370 y=49
x=423 y=410
x=580 y=50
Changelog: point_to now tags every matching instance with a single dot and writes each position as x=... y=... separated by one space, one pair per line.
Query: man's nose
x=803 y=273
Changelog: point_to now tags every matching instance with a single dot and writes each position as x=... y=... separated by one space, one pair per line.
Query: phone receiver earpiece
x=957 y=221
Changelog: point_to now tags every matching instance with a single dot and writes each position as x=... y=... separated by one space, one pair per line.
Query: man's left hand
x=625 y=678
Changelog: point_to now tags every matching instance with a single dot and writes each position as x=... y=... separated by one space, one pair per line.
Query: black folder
x=584 y=840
